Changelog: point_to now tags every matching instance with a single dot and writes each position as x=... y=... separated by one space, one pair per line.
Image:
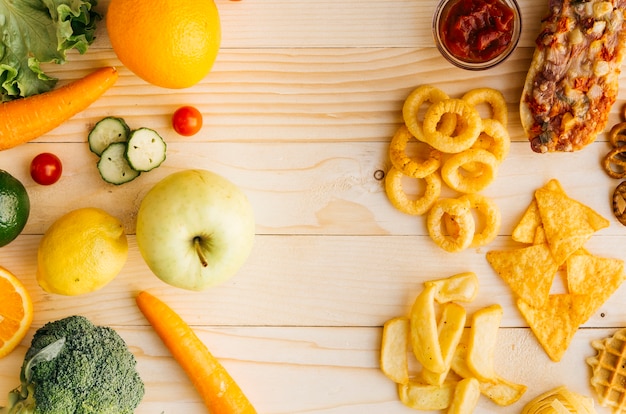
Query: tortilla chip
x=597 y=276
x=529 y=271
x=567 y=223
x=526 y=228
x=529 y=229
x=555 y=324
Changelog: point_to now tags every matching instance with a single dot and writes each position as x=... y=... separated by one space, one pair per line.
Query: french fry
x=482 y=342
x=462 y=287
x=424 y=332
x=393 y=350
x=466 y=397
x=450 y=330
x=502 y=392
x=425 y=396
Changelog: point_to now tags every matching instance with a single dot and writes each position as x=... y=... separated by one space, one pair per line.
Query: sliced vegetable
x=145 y=150
x=113 y=165
x=25 y=119
x=220 y=392
x=107 y=131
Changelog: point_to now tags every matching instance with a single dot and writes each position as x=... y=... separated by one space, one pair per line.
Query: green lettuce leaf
x=40 y=31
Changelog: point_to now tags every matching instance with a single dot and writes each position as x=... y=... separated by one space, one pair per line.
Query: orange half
x=16 y=312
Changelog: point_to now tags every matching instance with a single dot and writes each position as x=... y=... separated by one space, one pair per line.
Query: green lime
x=14 y=208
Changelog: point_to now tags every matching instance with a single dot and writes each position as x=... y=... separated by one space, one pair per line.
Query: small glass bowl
x=441 y=15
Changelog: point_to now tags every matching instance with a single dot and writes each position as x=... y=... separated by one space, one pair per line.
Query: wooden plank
x=330 y=370
x=307 y=188
x=302 y=281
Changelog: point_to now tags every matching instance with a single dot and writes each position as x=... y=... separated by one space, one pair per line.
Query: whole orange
x=168 y=43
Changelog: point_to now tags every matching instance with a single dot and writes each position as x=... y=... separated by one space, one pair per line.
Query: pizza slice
x=572 y=81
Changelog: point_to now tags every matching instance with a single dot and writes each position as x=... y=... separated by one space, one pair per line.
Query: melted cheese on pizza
x=573 y=79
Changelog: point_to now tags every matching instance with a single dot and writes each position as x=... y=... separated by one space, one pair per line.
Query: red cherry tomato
x=46 y=168
x=187 y=121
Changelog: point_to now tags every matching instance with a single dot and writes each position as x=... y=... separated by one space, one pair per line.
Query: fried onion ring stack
x=459 y=148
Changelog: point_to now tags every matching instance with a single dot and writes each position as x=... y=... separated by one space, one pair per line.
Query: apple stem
x=201 y=256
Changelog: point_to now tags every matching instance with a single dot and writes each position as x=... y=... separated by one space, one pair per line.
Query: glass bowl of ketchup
x=477 y=34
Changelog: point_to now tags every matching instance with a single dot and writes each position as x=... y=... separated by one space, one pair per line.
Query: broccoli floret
x=75 y=367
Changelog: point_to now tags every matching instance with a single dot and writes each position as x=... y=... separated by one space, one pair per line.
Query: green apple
x=195 y=229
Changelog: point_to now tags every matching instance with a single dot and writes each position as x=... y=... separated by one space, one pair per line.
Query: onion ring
x=493 y=98
x=492 y=218
x=472 y=182
x=400 y=200
x=407 y=165
x=459 y=212
x=413 y=103
x=462 y=138
x=617 y=135
x=614 y=162
x=495 y=139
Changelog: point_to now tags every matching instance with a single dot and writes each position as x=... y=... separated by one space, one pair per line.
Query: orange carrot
x=218 y=390
x=25 y=119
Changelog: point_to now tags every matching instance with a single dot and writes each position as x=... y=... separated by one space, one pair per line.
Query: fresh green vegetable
x=107 y=131
x=73 y=366
x=145 y=150
x=40 y=31
x=114 y=167
x=125 y=153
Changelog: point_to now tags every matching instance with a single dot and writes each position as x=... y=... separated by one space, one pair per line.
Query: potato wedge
x=424 y=334
x=466 y=397
x=450 y=329
x=425 y=396
x=393 y=350
x=481 y=346
x=462 y=287
x=502 y=392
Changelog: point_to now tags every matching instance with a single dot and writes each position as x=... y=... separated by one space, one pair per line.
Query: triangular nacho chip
x=567 y=223
x=555 y=324
x=526 y=228
x=529 y=229
x=598 y=276
x=529 y=271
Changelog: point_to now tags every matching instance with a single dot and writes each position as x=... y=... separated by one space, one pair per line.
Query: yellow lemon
x=168 y=43
x=81 y=252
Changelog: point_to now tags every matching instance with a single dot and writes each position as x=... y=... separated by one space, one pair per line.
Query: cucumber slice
x=145 y=149
x=113 y=165
x=107 y=131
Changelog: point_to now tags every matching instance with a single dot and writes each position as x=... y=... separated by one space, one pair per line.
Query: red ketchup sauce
x=477 y=30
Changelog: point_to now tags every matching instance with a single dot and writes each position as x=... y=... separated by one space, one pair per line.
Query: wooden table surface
x=299 y=110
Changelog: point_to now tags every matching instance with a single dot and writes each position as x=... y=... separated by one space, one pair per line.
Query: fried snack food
x=617 y=134
x=572 y=81
x=494 y=99
x=608 y=371
x=619 y=202
x=482 y=341
x=413 y=104
x=614 y=162
x=459 y=210
x=460 y=140
x=469 y=126
x=407 y=165
x=555 y=228
x=452 y=171
x=559 y=400
x=393 y=355
x=434 y=333
x=486 y=229
x=401 y=201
